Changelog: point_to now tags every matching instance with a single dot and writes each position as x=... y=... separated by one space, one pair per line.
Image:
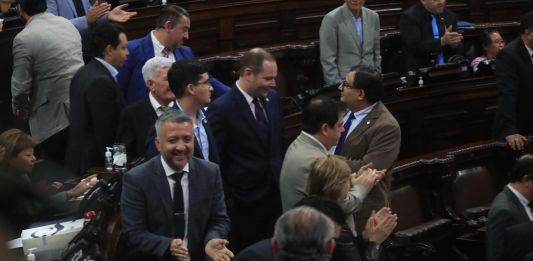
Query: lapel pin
x=367 y=122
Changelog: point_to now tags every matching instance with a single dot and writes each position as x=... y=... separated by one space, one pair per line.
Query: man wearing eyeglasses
x=166 y=40
x=371 y=134
x=190 y=83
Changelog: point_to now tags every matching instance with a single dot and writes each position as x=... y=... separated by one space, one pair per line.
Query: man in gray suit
x=349 y=36
x=46 y=54
x=372 y=134
x=511 y=206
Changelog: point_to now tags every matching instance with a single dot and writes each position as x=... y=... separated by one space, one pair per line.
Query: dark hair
x=318 y=111
x=526 y=22
x=104 y=34
x=369 y=80
x=485 y=37
x=32 y=7
x=522 y=167
x=183 y=73
x=254 y=59
x=14 y=141
x=172 y=13
x=328 y=207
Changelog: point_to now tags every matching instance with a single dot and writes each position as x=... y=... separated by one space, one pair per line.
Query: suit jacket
x=515 y=89
x=46 y=55
x=136 y=120
x=250 y=167
x=419 y=47
x=151 y=151
x=506 y=210
x=339 y=43
x=96 y=105
x=376 y=139
x=147 y=211
x=141 y=50
x=299 y=157
x=518 y=241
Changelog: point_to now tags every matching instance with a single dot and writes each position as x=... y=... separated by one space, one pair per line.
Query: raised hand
x=96 y=11
x=119 y=15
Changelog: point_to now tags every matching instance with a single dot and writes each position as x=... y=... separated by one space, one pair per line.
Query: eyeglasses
x=206 y=83
x=344 y=84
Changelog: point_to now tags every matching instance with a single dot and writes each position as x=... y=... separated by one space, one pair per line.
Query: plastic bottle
x=31 y=256
x=108 y=159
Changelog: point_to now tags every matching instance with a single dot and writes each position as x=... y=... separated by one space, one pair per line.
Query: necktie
x=347 y=125
x=434 y=25
x=261 y=120
x=79 y=7
x=166 y=52
x=179 y=215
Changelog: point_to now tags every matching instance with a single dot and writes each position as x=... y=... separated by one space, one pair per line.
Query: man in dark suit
x=429 y=34
x=371 y=135
x=510 y=207
x=166 y=40
x=137 y=119
x=173 y=205
x=247 y=125
x=518 y=241
x=514 y=78
x=190 y=84
x=95 y=100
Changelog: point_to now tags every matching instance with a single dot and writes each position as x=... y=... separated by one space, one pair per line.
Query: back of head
x=32 y=7
x=319 y=111
x=326 y=206
x=104 y=34
x=172 y=13
x=327 y=178
x=183 y=73
x=527 y=22
x=254 y=59
x=369 y=80
x=14 y=141
x=522 y=167
x=303 y=233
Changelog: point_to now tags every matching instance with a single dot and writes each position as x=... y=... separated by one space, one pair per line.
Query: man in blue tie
x=429 y=35
x=371 y=135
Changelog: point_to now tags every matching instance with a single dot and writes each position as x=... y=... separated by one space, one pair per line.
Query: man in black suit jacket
x=95 y=100
x=518 y=241
x=189 y=81
x=137 y=119
x=421 y=48
x=247 y=125
x=165 y=217
x=514 y=78
x=510 y=207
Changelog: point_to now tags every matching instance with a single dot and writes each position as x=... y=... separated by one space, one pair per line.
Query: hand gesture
x=178 y=250
x=380 y=225
x=119 y=15
x=367 y=176
x=216 y=249
x=451 y=38
x=516 y=141
x=84 y=185
x=96 y=11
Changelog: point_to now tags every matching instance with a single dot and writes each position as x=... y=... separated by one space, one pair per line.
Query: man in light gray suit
x=46 y=54
x=349 y=36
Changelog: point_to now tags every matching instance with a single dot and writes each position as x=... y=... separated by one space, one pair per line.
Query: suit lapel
x=525 y=55
x=368 y=121
x=72 y=7
x=162 y=186
x=148 y=48
x=518 y=206
x=244 y=110
x=349 y=23
x=193 y=189
x=367 y=39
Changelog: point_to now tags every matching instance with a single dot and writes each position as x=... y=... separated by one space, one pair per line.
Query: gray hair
x=151 y=66
x=171 y=115
x=302 y=233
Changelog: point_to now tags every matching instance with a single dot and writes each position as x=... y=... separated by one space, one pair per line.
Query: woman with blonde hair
x=331 y=177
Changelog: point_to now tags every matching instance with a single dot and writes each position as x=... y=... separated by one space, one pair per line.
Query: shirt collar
x=523 y=200
x=317 y=141
x=362 y=113
x=170 y=171
x=199 y=115
x=109 y=67
x=155 y=104
x=158 y=47
x=247 y=96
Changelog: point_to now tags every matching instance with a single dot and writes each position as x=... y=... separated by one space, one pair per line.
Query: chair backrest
x=406 y=202
x=473 y=187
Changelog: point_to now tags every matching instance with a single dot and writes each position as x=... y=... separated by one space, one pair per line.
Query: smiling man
x=429 y=34
x=349 y=36
x=247 y=125
x=173 y=205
